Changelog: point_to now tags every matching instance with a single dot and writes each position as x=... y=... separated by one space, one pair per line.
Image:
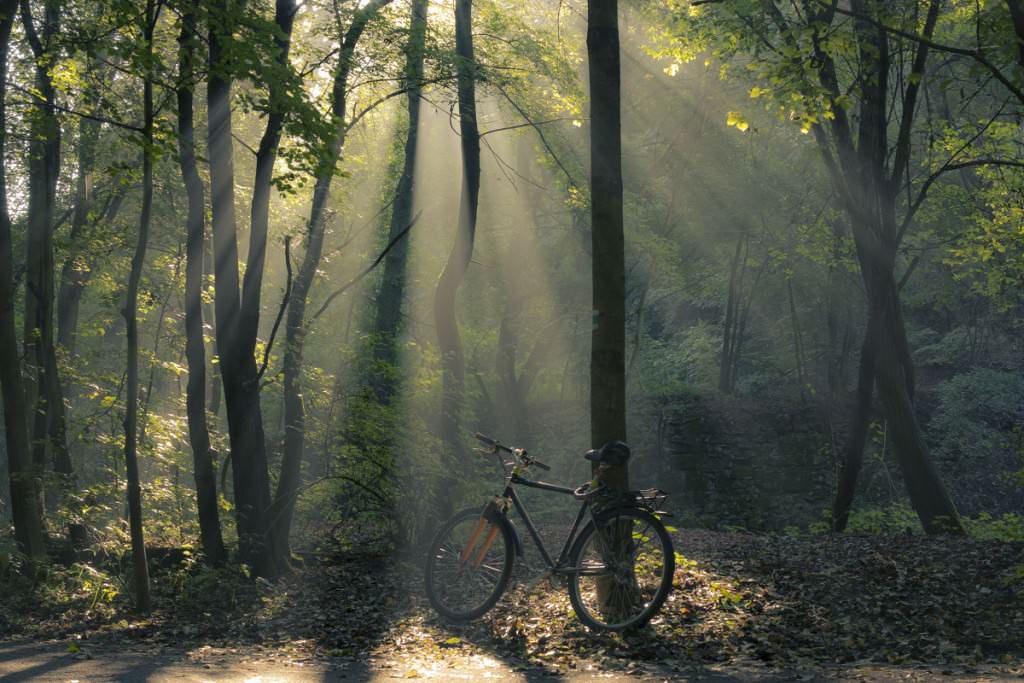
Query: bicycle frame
x=558 y=567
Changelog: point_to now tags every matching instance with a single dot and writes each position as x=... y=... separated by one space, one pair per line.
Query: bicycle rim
x=463 y=582
x=624 y=574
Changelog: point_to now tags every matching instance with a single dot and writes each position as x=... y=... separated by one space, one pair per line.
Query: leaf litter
x=804 y=603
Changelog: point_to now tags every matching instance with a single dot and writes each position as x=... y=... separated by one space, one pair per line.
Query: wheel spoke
x=457 y=587
x=620 y=567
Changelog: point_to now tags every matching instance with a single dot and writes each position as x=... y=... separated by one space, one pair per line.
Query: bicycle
x=618 y=564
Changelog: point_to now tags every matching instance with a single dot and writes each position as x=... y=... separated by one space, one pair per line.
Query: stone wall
x=735 y=461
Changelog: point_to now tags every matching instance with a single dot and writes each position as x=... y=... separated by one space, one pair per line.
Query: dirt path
x=50 y=662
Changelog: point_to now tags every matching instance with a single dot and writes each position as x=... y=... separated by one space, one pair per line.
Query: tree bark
x=237 y=362
x=195 y=347
x=26 y=499
x=729 y=326
x=1016 y=8
x=388 y=315
x=74 y=272
x=140 y=568
x=608 y=338
x=453 y=365
x=868 y=175
x=42 y=386
x=853 y=457
x=290 y=480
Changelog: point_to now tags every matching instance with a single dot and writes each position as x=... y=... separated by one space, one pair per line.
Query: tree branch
x=280 y=311
x=366 y=271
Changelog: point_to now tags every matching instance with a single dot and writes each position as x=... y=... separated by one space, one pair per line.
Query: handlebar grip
x=539 y=464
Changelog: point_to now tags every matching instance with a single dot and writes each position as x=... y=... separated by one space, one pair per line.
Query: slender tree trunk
x=729 y=329
x=78 y=265
x=26 y=499
x=511 y=413
x=853 y=457
x=290 y=480
x=453 y=366
x=1016 y=8
x=140 y=568
x=388 y=315
x=43 y=386
x=210 y=318
x=74 y=272
x=195 y=347
x=237 y=363
x=798 y=344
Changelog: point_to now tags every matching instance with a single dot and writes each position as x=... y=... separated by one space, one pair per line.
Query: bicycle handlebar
x=520 y=453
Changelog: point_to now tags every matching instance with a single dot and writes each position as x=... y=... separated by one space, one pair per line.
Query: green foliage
x=899 y=518
x=1006 y=527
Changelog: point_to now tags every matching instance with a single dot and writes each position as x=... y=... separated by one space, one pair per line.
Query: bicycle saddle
x=612 y=453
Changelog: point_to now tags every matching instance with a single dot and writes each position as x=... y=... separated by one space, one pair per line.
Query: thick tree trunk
x=290 y=480
x=894 y=375
x=237 y=363
x=853 y=456
x=388 y=315
x=140 y=568
x=608 y=338
x=26 y=499
x=195 y=347
x=453 y=366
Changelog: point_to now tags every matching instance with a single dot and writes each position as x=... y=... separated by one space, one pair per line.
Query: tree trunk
x=388 y=316
x=894 y=375
x=42 y=387
x=608 y=274
x=445 y=294
x=195 y=348
x=453 y=366
x=74 y=272
x=290 y=480
x=729 y=326
x=210 y=318
x=26 y=499
x=853 y=457
x=237 y=363
x=868 y=183
x=74 y=275
x=1016 y=8
x=140 y=568
x=608 y=338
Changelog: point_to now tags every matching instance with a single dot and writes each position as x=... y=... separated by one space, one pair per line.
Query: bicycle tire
x=583 y=597
x=438 y=595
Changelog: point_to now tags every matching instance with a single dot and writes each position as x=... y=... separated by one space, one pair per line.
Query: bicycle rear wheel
x=624 y=570
x=468 y=566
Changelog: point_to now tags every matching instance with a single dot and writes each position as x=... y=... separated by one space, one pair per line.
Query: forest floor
x=745 y=608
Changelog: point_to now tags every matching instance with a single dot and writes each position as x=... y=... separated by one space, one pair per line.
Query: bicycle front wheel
x=468 y=566
x=623 y=570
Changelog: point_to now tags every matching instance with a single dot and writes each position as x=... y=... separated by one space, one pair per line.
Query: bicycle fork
x=489 y=519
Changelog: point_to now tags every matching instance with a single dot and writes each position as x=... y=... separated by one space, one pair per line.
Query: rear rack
x=651 y=499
